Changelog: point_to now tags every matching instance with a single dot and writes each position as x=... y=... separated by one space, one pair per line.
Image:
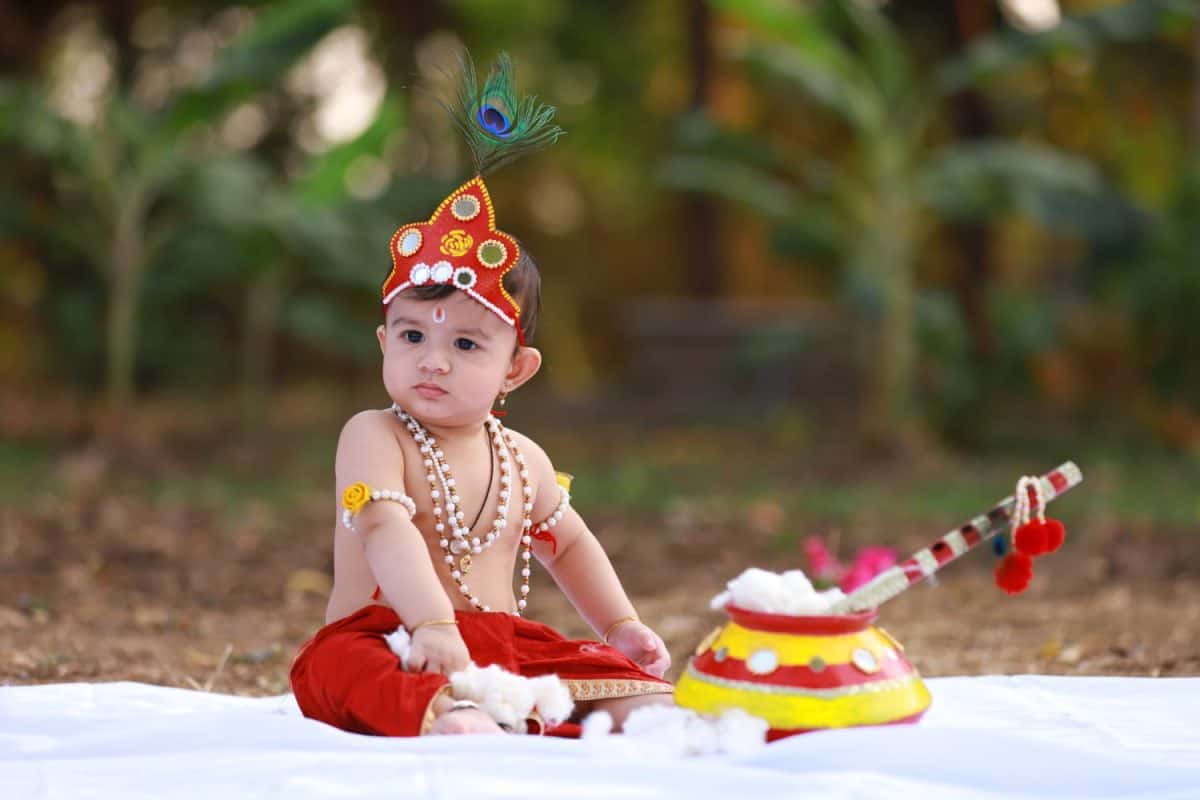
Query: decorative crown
x=460 y=245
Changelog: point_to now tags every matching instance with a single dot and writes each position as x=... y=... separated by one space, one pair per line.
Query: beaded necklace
x=458 y=546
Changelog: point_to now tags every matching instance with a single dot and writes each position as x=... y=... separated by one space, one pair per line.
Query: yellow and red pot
x=803 y=673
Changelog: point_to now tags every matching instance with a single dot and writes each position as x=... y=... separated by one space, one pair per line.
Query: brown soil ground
x=93 y=593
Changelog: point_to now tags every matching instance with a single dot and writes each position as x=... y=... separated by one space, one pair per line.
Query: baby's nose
x=434 y=362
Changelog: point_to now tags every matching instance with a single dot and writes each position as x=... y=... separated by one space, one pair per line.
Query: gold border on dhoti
x=605 y=688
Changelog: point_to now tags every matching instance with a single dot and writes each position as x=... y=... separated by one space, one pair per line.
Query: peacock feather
x=498 y=124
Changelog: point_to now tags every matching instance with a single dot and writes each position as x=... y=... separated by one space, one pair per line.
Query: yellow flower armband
x=357 y=495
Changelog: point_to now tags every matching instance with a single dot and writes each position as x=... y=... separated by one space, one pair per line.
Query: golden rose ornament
x=457 y=243
x=355 y=497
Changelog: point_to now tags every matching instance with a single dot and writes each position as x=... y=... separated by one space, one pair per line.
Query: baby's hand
x=643 y=646
x=438 y=648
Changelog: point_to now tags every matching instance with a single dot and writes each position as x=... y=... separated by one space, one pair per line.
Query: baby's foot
x=464 y=720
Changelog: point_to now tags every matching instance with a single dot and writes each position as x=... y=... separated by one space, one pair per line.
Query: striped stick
x=928 y=560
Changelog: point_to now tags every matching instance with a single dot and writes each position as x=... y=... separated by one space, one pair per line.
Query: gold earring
x=503 y=398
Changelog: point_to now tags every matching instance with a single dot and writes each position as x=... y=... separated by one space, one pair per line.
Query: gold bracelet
x=420 y=625
x=618 y=624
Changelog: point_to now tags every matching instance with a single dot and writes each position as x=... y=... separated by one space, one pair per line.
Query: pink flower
x=823 y=567
x=869 y=562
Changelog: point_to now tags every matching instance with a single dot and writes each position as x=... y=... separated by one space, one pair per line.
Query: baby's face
x=444 y=361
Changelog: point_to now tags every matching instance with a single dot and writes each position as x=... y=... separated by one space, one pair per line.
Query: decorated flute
x=928 y=560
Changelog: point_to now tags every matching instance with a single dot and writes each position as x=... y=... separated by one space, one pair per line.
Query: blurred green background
x=902 y=251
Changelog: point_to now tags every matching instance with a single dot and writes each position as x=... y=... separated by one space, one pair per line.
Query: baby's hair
x=523 y=282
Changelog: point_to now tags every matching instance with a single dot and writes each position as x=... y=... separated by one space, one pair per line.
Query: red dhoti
x=347 y=676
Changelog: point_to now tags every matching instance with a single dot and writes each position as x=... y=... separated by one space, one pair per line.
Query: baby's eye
x=465 y=344
x=415 y=337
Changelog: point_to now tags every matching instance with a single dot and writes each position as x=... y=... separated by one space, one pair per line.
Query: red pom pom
x=1055 y=534
x=1031 y=539
x=1014 y=573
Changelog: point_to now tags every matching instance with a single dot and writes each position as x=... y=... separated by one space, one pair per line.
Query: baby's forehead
x=459 y=310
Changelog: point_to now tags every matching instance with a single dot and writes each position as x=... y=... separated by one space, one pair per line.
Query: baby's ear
x=525 y=364
x=381 y=335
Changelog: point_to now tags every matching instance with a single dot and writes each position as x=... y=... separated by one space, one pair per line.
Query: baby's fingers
x=656 y=664
x=657 y=659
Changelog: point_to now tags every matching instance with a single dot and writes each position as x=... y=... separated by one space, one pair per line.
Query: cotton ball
x=796 y=582
x=670 y=730
x=758 y=590
x=596 y=725
x=506 y=696
x=700 y=736
x=551 y=698
x=400 y=643
x=800 y=597
x=720 y=601
x=810 y=605
x=463 y=684
x=833 y=596
x=495 y=692
x=739 y=733
x=662 y=724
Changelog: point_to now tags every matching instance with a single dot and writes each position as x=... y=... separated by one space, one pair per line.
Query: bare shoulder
x=541 y=474
x=368 y=443
x=372 y=419
x=536 y=459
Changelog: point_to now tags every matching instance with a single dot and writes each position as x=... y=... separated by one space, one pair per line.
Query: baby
x=440 y=501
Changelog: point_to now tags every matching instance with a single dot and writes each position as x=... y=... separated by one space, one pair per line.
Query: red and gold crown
x=461 y=247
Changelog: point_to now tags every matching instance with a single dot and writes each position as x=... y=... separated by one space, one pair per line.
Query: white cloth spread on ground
x=984 y=737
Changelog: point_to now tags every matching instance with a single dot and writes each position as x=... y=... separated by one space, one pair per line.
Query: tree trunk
x=973 y=121
x=126 y=265
x=1196 y=95
x=890 y=363
x=264 y=298
x=702 y=265
x=24 y=30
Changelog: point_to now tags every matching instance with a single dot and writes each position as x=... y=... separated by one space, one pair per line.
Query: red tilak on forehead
x=459 y=246
x=439 y=315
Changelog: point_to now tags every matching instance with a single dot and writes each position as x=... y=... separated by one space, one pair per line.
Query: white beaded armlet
x=564 y=501
x=357 y=495
x=541 y=531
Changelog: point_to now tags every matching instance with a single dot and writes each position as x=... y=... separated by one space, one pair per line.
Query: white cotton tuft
x=700 y=736
x=501 y=695
x=740 y=733
x=832 y=596
x=799 y=597
x=596 y=724
x=796 y=582
x=672 y=730
x=551 y=698
x=790 y=593
x=720 y=601
x=763 y=588
x=401 y=644
x=510 y=699
x=659 y=727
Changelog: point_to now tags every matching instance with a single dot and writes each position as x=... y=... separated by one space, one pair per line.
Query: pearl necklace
x=459 y=546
